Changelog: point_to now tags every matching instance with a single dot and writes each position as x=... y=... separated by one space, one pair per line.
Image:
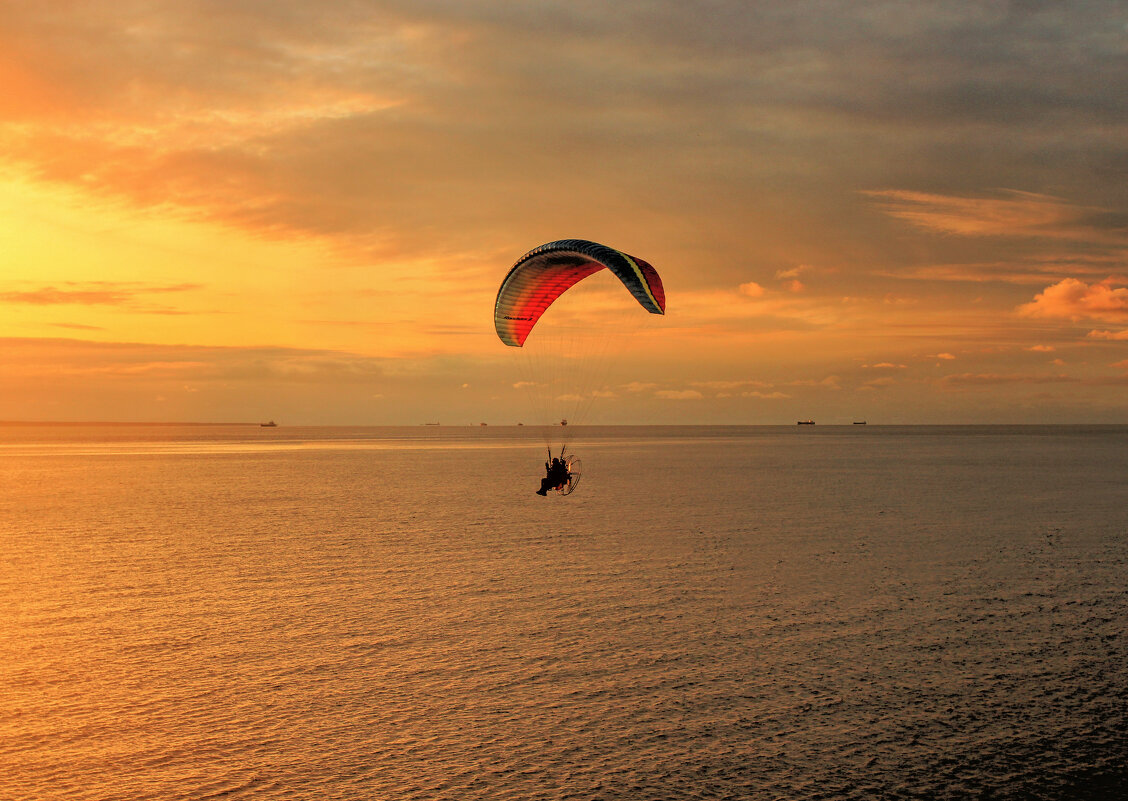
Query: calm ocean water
x=199 y=612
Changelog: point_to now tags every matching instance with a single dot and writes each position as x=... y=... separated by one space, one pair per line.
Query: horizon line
x=519 y=425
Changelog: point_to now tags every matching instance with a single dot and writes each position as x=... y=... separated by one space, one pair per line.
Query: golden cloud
x=1075 y=300
x=830 y=382
x=1113 y=335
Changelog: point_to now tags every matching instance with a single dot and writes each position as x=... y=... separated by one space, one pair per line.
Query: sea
x=790 y=612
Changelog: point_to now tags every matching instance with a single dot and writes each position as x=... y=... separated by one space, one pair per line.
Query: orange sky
x=302 y=211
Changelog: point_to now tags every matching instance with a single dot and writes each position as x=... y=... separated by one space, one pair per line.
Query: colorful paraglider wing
x=544 y=274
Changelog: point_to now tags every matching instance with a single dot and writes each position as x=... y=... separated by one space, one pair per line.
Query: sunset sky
x=905 y=212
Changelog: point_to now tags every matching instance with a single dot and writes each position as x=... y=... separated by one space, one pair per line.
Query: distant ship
x=564 y=422
x=269 y=424
x=805 y=423
x=430 y=424
x=859 y=422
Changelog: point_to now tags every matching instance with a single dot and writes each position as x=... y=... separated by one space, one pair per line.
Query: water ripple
x=206 y=624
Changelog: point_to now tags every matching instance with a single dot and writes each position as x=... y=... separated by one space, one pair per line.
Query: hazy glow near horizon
x=903 y=213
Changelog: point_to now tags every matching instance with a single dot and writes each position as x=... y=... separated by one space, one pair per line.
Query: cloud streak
x=996 y=379
x=71 y=358
x=1012 y=214
x=95 y=293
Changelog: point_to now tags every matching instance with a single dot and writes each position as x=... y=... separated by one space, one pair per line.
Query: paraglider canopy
x=567 y=363
x=543 y=274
